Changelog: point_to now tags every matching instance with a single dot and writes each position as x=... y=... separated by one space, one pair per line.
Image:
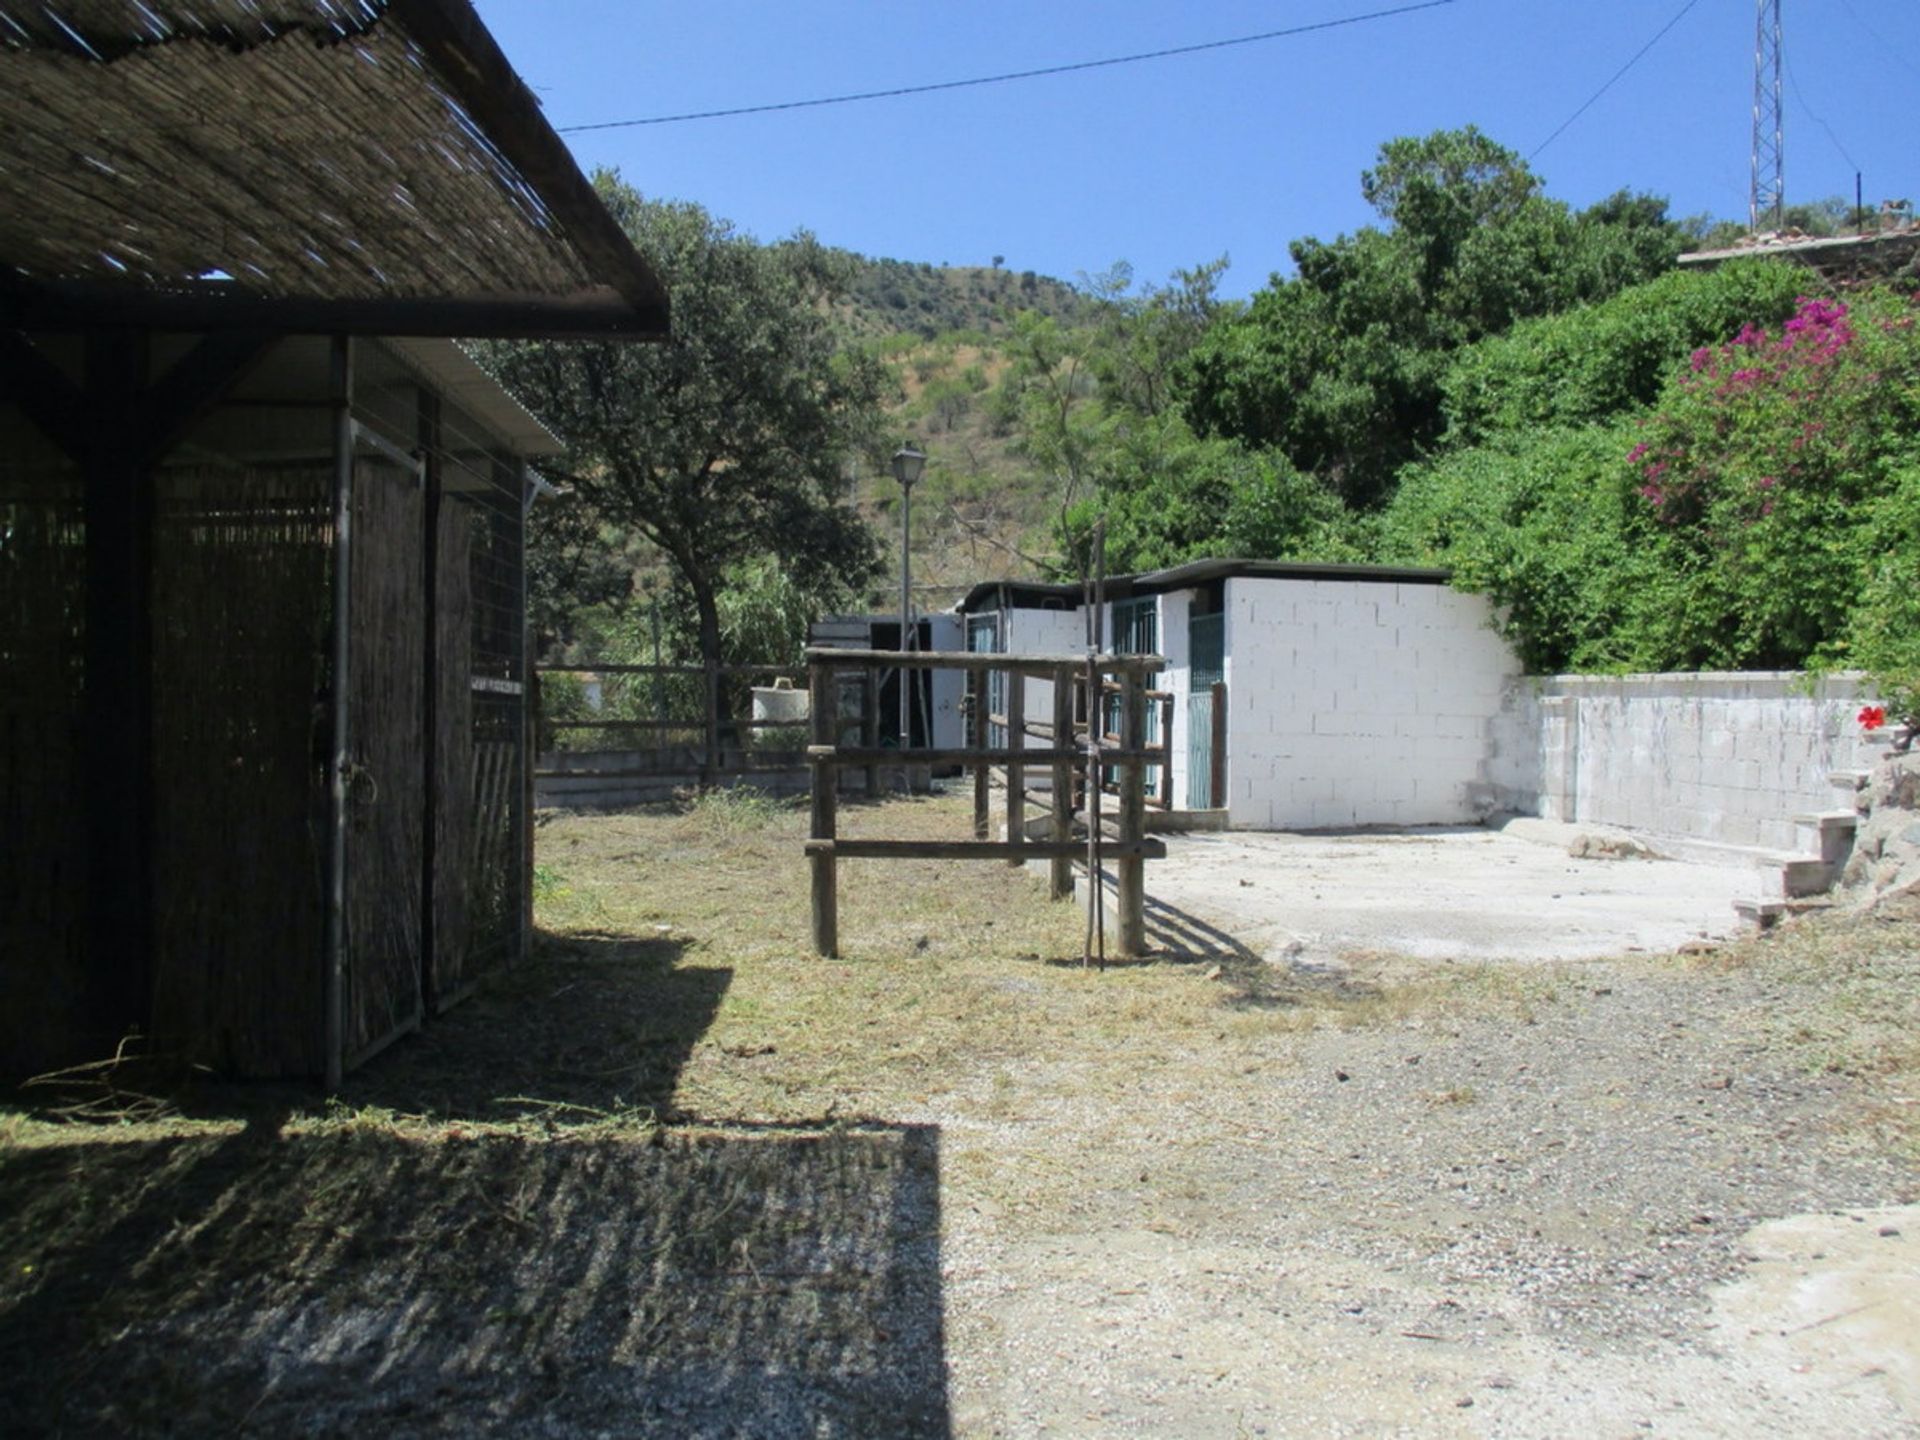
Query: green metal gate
x=1206 y=645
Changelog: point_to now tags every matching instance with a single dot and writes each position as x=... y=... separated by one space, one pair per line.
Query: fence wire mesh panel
x=241 y=565
x=44 y=993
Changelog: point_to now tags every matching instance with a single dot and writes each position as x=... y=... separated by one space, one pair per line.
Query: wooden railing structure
x=1075 y=751
x=709 y=729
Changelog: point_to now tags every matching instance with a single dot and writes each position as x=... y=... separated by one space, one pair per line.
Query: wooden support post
x=427 y=435
x=1217 y=781
x=529 y=715
x=340 y=741
x=823 y=685
x=1130 y=869
x=118 y=696
x=1166 y=744
x=1016 y=772
x=870 y=725
x=1060 y=877
x=982 y=773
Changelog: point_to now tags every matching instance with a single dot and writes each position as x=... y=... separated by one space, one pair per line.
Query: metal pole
x=906 y=623
x=341 y=378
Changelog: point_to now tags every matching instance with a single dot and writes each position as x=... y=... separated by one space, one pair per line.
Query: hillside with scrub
x=1648 y=466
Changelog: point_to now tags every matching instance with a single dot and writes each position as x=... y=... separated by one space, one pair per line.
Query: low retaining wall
x=1726 y=759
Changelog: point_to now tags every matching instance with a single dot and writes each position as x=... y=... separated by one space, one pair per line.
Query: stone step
x=1829 y=833
x=1764 y=914
x=1801 y=878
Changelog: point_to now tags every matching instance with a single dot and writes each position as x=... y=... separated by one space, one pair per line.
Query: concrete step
x=1765 y=914
x=1801 y=878
x=1829 y=834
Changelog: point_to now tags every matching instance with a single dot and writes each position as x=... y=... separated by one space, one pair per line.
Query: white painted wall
x=1725 y=758
x=1043 y=632
x=1175 y=608
x=1360 y=702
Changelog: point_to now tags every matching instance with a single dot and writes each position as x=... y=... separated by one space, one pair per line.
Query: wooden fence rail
x=1069 y=764
x=716 y=762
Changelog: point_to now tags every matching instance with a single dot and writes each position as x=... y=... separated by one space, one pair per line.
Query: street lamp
x=908 y=462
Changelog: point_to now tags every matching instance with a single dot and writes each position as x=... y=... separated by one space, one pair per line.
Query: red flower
x=1872 y=717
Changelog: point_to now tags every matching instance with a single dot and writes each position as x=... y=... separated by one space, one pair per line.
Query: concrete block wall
x=1728 y=759
x=1361 y=702
x=1043 y=632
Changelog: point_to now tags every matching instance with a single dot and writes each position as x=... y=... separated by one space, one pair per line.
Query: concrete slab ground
x=1441 y=893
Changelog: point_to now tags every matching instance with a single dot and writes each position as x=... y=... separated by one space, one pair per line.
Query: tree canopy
x=1340 y=366
x=727 y=444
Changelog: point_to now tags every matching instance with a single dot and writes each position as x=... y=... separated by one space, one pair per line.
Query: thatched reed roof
x=370 y=165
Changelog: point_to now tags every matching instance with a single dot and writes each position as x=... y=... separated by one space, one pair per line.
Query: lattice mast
x=1768 y=197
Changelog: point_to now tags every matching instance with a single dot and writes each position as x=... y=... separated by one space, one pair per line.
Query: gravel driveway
x=1561 y=1215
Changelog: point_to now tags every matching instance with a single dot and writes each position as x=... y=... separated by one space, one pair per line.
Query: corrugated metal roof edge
x=462 y=379
x=1201 y=572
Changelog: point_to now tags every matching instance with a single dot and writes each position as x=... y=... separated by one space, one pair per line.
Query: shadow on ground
x=560 y=1275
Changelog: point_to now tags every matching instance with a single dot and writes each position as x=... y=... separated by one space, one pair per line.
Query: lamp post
x=908 y=462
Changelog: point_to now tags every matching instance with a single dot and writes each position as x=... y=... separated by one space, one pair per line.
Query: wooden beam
x=1148 y=848
x=46 y=396
x=1041 y=665
x=596 y=314
x=176 y=402
x=1150 y=755
x=1060 y=877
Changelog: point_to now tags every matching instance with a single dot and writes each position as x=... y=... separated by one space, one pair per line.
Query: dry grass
x=678 y=1083
x=1845 y=998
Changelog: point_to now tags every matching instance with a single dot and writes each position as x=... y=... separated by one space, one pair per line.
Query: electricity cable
x=1010 y=75
x=1794 y=81
x=1638 y=55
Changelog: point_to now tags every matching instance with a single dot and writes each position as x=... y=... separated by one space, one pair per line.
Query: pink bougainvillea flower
x=1767 y=482
x=1638 y=453
x=1872 y=717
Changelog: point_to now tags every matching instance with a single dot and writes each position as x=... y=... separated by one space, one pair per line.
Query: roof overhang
x=1036 y=594
x=296 y=166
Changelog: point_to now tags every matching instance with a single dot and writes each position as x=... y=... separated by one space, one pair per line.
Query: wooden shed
x=263 y=740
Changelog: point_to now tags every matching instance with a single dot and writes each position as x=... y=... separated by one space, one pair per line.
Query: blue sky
x=1172 y=162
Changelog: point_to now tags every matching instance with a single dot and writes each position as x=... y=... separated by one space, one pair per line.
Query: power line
x=1010 y=75
x=1638 y=55
x=1794 y=81
x=1885 y=44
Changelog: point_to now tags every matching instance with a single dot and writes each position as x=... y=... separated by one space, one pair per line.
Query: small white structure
x=938 y=717
x=1369 y=695
x=1355 y=694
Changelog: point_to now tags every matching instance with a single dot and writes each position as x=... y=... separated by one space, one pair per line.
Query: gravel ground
x=680 y=1178
x=1509 y=1224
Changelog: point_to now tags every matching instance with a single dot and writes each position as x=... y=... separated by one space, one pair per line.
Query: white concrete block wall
x=1175 y=608
x=1043 y=632
x=1725 y=758
x=1362 y=702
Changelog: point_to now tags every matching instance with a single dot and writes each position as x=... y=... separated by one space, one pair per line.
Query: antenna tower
x=1768 y=197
